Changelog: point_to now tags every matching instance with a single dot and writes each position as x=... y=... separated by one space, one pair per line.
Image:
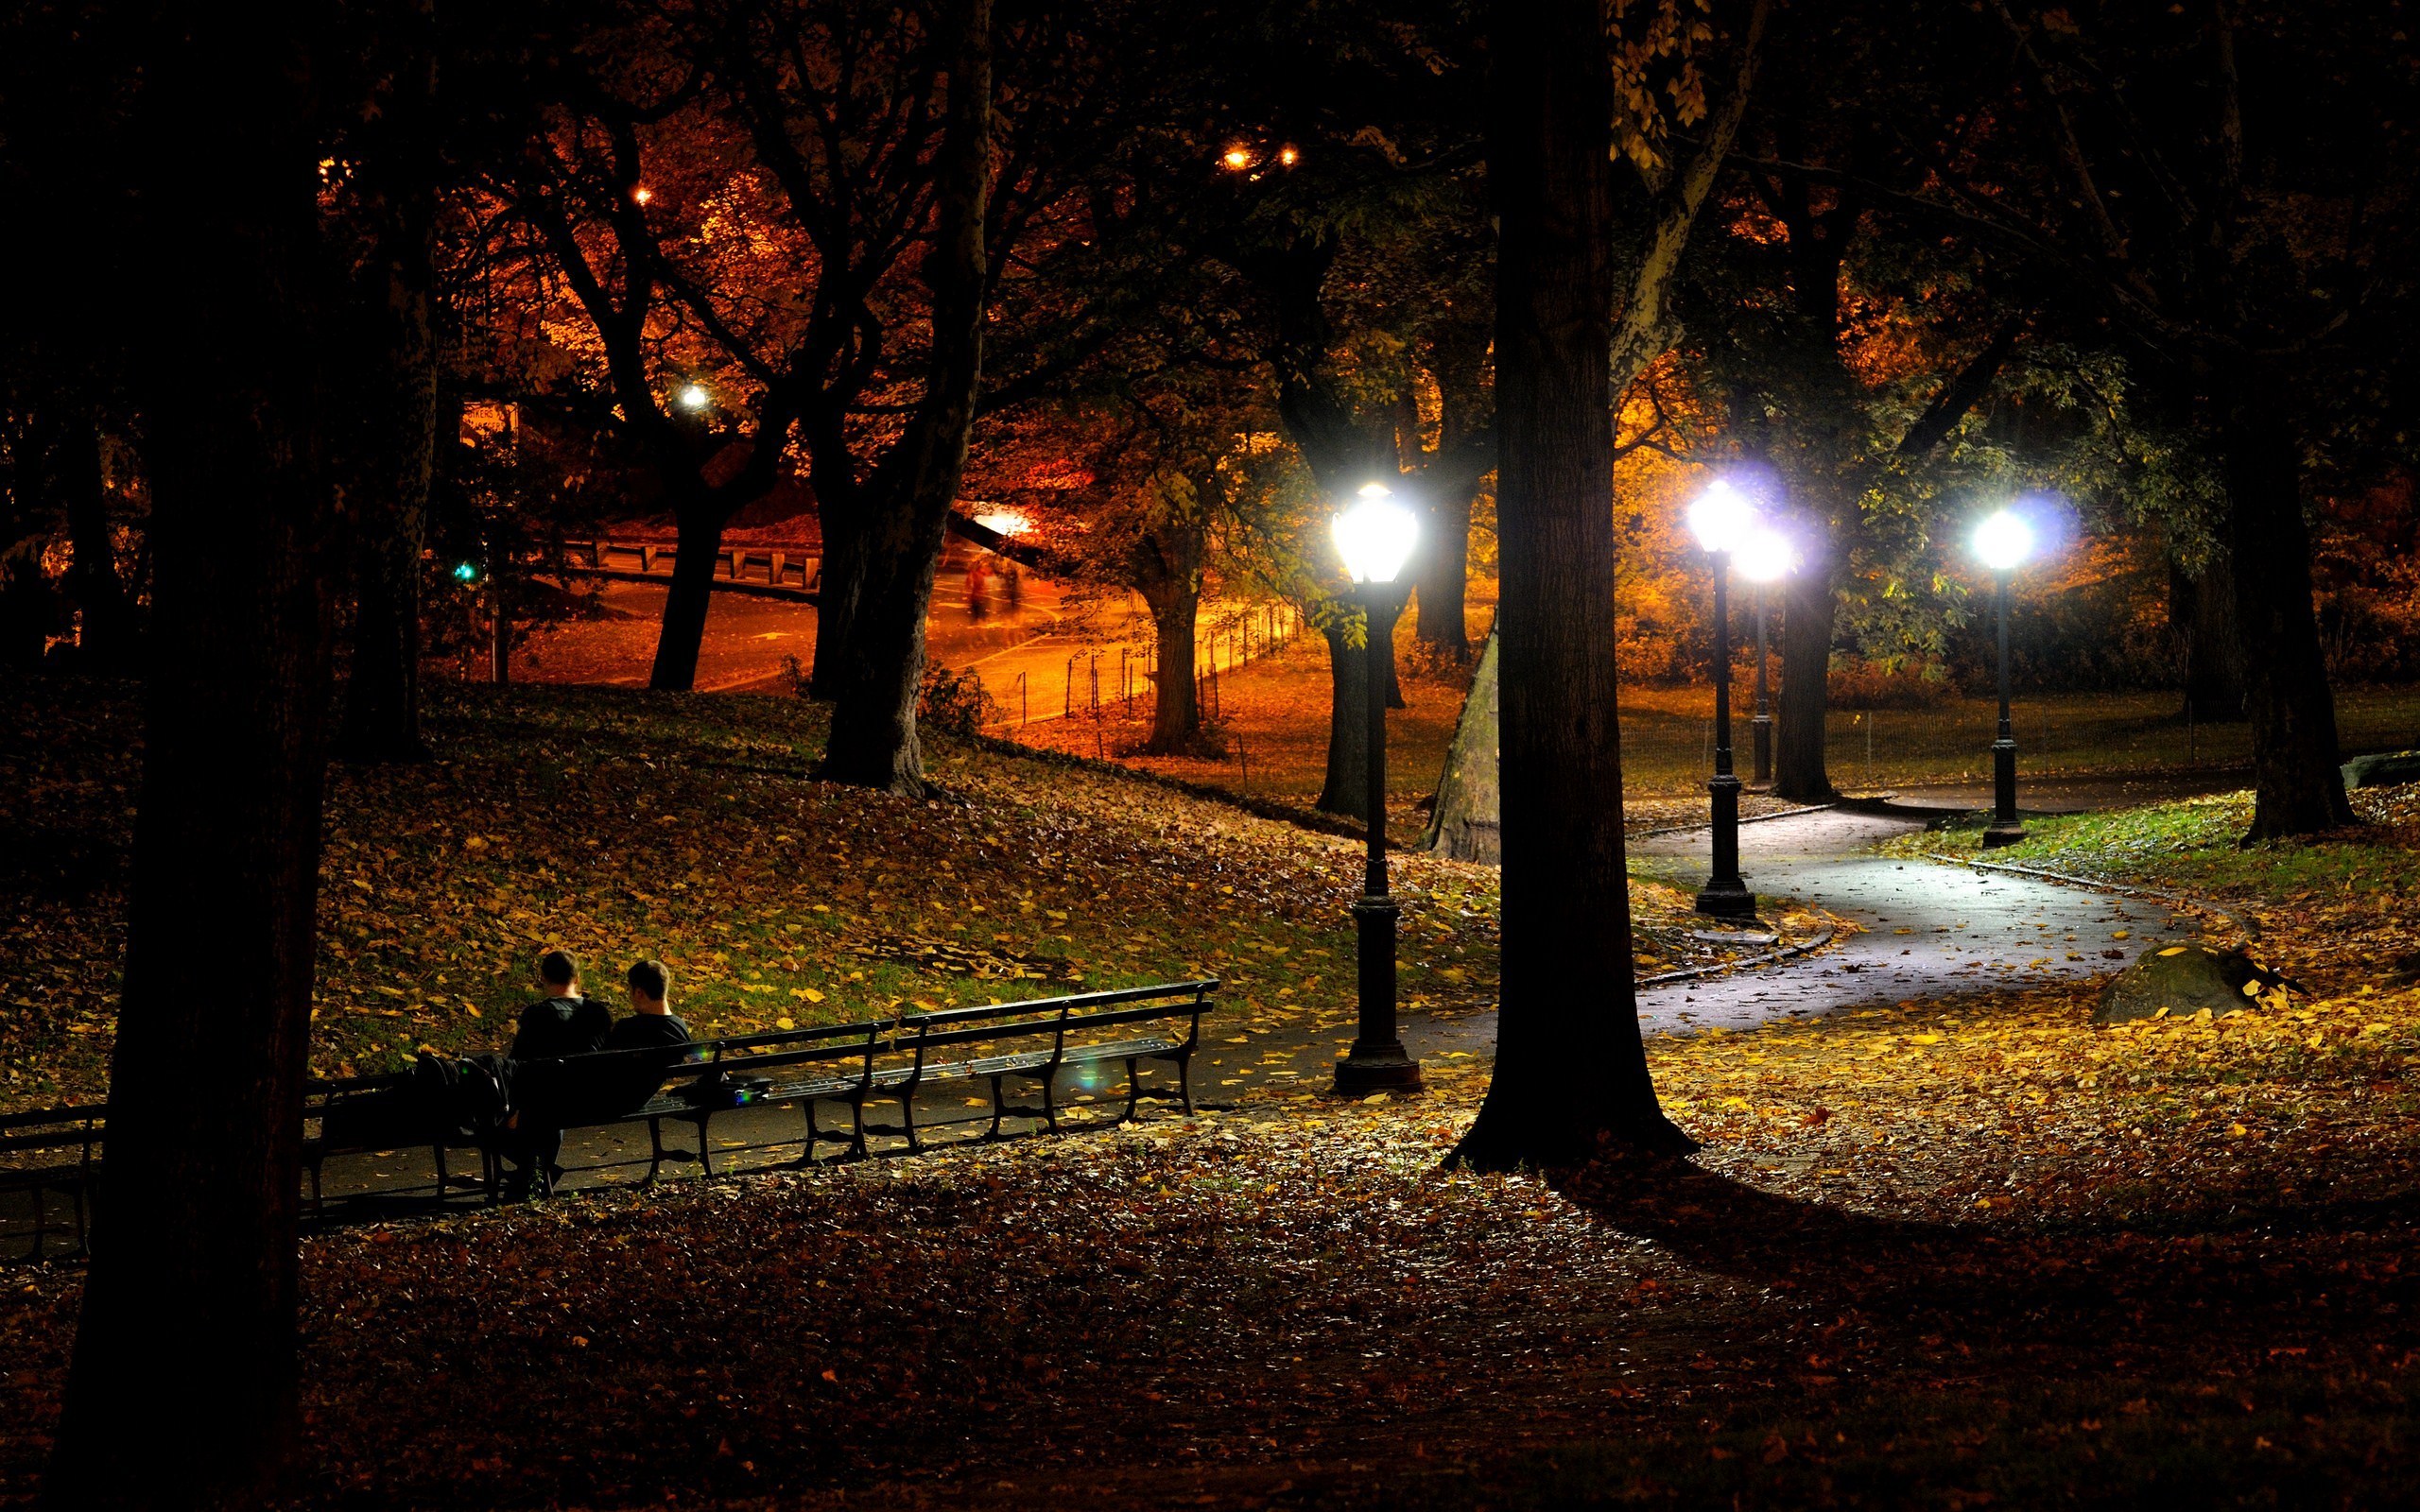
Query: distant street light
x=695 y=397
x=466 y=572
x=1375 y=537
x=1765 y=558
x=1722 y=519
x=2002 y=543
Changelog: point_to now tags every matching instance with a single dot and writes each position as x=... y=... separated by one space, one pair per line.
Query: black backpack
x=468 y=1096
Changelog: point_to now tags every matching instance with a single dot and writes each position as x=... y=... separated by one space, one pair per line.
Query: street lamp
x=695 y=396
x=2002 y=543
x=1765 y=558
x=1722 y=519
x=1375 y=536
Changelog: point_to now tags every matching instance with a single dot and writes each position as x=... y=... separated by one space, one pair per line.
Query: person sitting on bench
x=631 y=1079
x=562 y=1023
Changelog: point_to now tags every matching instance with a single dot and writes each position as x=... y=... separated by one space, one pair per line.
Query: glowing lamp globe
x=695 y=397
x=1375 y=536
x=2003 y=541
x=1721 y=517
x=1767 y=555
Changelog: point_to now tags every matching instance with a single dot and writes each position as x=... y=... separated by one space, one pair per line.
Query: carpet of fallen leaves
x=1951 y=1253
x=619 y=823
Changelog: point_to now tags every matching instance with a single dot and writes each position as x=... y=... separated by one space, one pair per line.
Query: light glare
x=1721 y=517
x=695 y=397
x=1375 y=536
x=2003 y=541
x=1765 y=555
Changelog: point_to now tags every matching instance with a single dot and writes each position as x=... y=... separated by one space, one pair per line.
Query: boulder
x=2385 y=769
x=2186 y=979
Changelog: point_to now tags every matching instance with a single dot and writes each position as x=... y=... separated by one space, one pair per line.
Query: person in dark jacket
x=560 y=1023
x=651 y=1026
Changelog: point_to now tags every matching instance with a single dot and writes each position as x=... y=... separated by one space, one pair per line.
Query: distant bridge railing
x=761 y=572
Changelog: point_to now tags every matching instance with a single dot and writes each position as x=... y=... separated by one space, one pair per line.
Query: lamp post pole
x=2004 y=829
x=1761 y=726
x=1376 y=1062
x=1726 y=896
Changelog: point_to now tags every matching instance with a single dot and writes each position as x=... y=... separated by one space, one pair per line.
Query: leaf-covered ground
x=1954 y=1254
x=1960 y=1252
x=619 y=823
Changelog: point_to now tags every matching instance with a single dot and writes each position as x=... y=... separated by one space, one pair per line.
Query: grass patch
x=620 y=824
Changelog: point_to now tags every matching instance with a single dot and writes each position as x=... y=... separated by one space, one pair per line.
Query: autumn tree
x=1565 y=304
x=2218 y=185
x=204 y=135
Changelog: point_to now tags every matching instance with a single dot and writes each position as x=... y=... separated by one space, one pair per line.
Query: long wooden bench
x=892 y=1060
x=1012 y=1048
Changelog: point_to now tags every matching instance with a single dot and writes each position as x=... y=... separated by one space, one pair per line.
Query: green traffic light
x=466 y=572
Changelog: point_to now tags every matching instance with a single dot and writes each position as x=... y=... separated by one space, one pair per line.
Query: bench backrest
x=1058 y=1019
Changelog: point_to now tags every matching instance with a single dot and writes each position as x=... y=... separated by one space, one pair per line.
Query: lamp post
x=2002 y=543
x=1375 y=537
x=1765 y=558
x=1722 y=518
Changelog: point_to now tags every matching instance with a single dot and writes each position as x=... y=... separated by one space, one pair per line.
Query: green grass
x=1664 y=736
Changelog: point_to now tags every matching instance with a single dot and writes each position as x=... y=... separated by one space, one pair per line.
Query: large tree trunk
x=398 y=457
x=2298 y=788
x=1346 y=790
x=183 y=1389
x=689 y=597
x=1810 y=602
x=93 y=583
x=873 y=720
x=838 y=586
x=1176 y=700
x=1568 y=1000
x=2202 y=612
x=1444 y=565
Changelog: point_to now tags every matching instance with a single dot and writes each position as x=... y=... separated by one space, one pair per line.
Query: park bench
x=353 y=1114
x=49 y=1152
x=1028 y=1044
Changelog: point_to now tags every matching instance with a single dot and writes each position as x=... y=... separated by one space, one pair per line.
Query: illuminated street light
x=1375 y=537
x=1723 y=519
x=641 y=195
x=2002 y=543
x=1236 y=158
x=1764 y=558
x=1288 y=156
x=466 y=572
x=695 y=397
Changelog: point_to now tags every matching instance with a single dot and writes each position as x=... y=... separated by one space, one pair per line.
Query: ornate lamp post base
x=1726 y=895
x=2004 y=829
x=1376 y=1062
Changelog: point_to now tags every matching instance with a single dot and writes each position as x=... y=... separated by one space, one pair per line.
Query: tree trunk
x=1464 y=825
x=1568 y=999
x=398 y=452
x=1176 y=706
x=838 y=586
x=1809 y=602
x=689 y=597
x=874 y=719
x=92 y=582
x=1347 y=788
x=2298 y=788
x=1444 y=565
x=2202 y=612
x=183 y=1389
